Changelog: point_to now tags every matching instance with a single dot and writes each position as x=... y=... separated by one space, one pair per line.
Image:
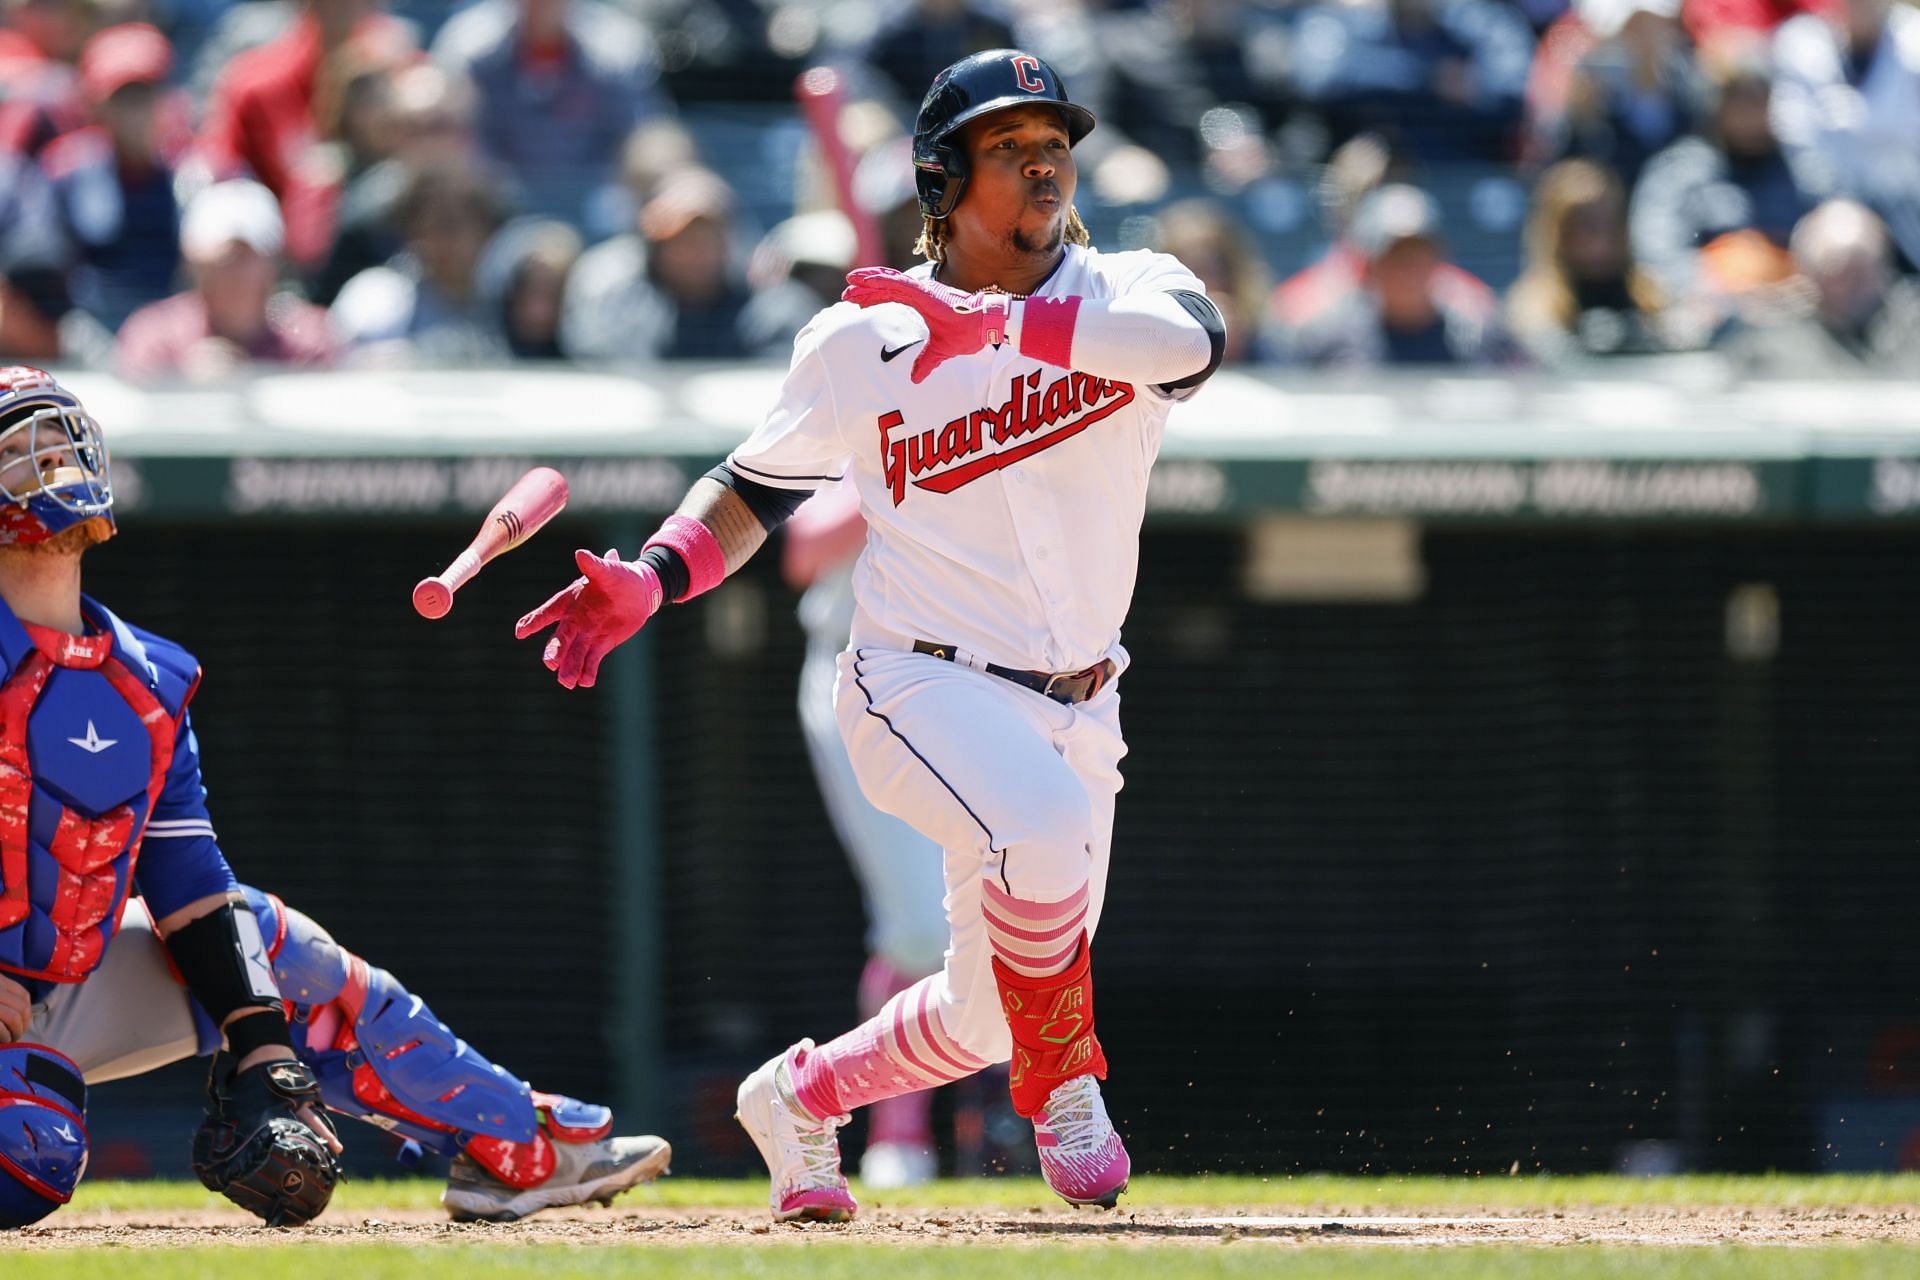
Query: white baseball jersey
x=1003 y=495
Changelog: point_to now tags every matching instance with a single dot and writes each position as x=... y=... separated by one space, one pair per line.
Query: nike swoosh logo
x=887 y=353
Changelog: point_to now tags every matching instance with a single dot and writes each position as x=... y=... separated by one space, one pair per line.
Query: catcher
x=101 y=799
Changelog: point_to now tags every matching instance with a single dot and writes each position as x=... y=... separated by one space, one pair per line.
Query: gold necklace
x=992 y=288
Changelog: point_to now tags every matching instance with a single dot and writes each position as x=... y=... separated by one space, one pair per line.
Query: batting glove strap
x=996 y=311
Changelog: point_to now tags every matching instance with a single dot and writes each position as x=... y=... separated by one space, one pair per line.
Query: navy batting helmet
x=967 y=90
x=43 y=1132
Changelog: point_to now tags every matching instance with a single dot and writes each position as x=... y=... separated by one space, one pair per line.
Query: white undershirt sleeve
x=1145 y=337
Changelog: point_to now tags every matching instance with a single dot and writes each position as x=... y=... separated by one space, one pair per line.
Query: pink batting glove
x=958 y=324
x=597 y=614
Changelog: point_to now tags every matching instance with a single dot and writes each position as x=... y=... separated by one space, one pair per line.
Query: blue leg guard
x=380 y=1054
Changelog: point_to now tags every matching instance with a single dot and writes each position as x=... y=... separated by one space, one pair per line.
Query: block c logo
x=1026 y=72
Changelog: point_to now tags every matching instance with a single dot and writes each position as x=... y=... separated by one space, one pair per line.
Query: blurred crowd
x=189 y=186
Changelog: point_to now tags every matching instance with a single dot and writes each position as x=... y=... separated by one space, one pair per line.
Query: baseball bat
x=535 y=498
x=822 y=93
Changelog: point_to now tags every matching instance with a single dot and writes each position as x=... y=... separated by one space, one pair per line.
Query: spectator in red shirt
x=260 y=120
x=1407 y=310
x=40 y=97
x=233 y=316
x=1710 y=20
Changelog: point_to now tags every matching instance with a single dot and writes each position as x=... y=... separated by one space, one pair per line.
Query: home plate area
x=880 y=1225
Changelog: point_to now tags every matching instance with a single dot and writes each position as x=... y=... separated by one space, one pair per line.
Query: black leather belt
x=1066 y=687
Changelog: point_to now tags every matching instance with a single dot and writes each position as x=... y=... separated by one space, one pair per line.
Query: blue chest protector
x=90 y=731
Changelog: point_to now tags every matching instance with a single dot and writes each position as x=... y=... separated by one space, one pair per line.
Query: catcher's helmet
x=43 y=1132
x=53 y=460
x=970 y=88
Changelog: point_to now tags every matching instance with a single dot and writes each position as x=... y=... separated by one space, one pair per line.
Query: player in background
x=100 y=800
x=899 y=869
x=997 y=410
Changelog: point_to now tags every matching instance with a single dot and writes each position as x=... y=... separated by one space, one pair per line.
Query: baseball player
x=101 y=799
x=997 y=409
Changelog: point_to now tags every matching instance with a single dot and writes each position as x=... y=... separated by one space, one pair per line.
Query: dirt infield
x=881 y=1226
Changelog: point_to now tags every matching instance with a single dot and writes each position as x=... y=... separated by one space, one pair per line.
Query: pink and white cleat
x=1080 y=1153
x=802 y=1153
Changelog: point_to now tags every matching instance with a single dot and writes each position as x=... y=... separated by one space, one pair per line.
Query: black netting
x=1528 y=870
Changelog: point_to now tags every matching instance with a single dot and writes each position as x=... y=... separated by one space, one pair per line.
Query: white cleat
x=1081 y=1155
x=888 y=1166
x=582 y=1171
x=801 y=1152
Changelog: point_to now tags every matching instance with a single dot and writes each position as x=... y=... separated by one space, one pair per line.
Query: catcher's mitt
x=254 y=1149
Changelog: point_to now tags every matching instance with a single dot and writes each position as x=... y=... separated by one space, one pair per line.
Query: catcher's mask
x=53 y=460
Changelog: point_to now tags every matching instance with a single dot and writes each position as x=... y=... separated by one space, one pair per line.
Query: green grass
x=821 y=1254
x=1313 y=1192
x=810 y=1261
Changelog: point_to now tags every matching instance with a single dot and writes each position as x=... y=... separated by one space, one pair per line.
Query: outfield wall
x=1487 y=804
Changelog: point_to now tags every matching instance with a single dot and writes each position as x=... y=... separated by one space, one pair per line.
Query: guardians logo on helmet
x=54 y=474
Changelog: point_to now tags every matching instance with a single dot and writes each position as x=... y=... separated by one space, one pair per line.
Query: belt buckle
x=1095 y=676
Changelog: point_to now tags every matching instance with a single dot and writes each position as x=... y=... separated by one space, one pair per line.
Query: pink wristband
x=695 y=543
x=1046 y=329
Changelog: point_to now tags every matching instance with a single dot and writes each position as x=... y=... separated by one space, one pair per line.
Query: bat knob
x=431 y=598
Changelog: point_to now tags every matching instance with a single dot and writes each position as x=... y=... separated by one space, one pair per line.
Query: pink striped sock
x=902 y=1048
x=1034 y=939
x=907 y=1118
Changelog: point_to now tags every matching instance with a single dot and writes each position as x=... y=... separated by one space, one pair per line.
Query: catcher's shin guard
x=1051 y=1020
x=382 y=1056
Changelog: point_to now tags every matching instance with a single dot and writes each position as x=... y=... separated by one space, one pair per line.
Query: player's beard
x=1047 y=242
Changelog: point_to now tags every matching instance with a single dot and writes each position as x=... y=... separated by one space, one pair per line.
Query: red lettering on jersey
x=1026 y=71
x=941 y=460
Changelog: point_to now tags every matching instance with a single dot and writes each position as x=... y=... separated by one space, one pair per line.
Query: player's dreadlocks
x=932 y=244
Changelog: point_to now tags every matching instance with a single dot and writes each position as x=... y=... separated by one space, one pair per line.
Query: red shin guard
x=1052 y=1024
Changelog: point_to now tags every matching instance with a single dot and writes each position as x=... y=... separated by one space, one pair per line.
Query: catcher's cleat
x=802 y=1154
x=582 y=1171
x=1081 y=1156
